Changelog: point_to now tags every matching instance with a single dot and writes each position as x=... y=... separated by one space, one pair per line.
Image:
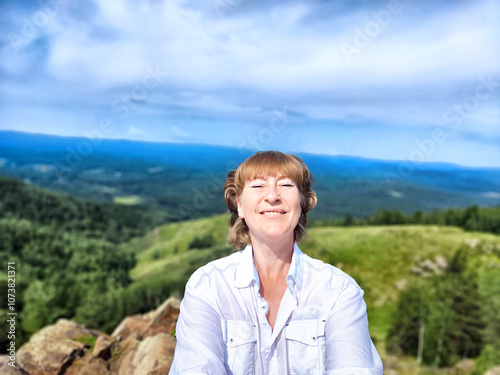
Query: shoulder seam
x=214 y=268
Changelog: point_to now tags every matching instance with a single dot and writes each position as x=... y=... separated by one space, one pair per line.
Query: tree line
x=472 y=218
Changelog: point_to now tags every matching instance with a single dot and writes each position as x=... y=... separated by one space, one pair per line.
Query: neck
x=272 y=259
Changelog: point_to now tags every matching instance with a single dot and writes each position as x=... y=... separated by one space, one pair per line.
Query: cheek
x=299 y=201
x=245 y=205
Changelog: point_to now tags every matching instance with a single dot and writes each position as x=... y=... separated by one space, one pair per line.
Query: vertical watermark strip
x=11 y=314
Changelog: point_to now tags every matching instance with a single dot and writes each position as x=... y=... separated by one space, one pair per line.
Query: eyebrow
x=278 y=179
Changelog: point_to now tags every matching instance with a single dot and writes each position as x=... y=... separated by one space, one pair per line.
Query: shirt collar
x=295 y=271
x=246 y=271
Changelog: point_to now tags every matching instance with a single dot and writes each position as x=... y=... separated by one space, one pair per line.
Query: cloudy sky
x=408 y=80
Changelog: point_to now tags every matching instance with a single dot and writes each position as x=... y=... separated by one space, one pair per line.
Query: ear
x=241 y=210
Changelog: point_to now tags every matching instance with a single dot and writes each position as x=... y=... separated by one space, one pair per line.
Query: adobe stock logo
x=363 y=36
x=265 y=135
x=453 y=117
x=31 y=27
x=222 y=7
x=463 y=110
x=120 y=109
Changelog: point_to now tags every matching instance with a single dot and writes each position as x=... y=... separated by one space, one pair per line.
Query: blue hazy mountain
x=186 y=179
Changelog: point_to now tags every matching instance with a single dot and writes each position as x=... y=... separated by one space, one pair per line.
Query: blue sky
x=407 y=80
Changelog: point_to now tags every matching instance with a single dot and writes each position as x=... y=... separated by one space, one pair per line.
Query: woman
x=271 y=309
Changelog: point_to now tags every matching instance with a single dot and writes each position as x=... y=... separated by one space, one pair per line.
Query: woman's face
x=270 y=207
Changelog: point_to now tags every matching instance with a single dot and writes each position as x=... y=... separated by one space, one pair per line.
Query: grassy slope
x=166 y=248
x=380 y=258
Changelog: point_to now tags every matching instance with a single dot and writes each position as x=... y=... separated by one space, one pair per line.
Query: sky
x=401 y=80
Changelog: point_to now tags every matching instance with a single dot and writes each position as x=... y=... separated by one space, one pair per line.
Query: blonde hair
x=267 y=163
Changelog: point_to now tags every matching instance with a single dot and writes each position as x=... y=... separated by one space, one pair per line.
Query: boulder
x=6 y=369
x=140 y=345
x=103 y=346
x=464 y=367
x=153 y=356
x=123 y=354
x=53 y=349
x=88 y=365
x=63 y=329
x=493 y=371
x=163 y=319
x=48 y=356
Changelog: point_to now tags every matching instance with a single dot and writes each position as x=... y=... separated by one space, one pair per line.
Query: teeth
x=272 y=213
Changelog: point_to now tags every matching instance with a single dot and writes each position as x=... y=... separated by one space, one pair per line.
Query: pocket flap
x=239 y=332
x=304 y=331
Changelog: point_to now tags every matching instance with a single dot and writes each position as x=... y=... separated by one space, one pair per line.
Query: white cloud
x=272 y=51
x=135 y=131
x=179 y=132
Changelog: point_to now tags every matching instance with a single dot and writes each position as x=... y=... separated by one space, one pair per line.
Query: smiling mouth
x=272 y=213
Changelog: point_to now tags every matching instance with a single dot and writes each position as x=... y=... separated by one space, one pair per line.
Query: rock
x=103 y=346
x=48 y=356
x=140 y=345
x=163 y=319
x=441 y=261
x=5 y=369
x=52 y=349
x=401 y=284
x=153 y=356
x=123 y=354
x=493 y=371
x=464 y=367
x=130 y=325
x=63 y=328
x=88 y=365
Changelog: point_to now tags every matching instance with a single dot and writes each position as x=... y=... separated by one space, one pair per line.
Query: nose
x=272 y=194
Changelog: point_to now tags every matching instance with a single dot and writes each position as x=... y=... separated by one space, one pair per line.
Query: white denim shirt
x=321 y=326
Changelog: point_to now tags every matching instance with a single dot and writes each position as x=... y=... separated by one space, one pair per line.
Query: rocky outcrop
x=464 y=367
x=140 y=345
x=5 y=369
x=494 y=371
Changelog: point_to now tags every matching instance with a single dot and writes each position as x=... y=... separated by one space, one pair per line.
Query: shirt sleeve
x=199 y=348
x=349 y=348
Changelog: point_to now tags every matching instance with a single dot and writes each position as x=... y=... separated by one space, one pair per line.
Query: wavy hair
x=267 y=163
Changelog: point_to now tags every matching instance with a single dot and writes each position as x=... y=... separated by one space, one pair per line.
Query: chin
x=277 y=235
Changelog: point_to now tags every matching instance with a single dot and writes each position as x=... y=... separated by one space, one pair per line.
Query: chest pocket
x=305 y=340
x=239 y=352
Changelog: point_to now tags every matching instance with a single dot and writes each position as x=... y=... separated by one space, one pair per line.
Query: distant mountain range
x=186 y=179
